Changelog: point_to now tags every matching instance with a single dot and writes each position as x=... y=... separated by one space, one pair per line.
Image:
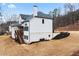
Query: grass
x=65 y=46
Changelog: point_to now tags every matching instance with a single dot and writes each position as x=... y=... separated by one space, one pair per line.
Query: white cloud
x=11 y=6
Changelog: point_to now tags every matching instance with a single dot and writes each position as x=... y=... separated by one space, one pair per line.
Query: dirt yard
x=58 y=47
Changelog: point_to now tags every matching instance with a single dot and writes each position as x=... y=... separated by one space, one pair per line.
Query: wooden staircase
x=19 y=36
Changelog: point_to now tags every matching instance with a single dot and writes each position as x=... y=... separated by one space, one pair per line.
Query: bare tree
x=69 y=7
x=0 y=13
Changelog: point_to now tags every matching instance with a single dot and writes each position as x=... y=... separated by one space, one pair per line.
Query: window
x=49 y=35
x=26 y=28
x=25 y=37
x=25 y=24
x=42 y=21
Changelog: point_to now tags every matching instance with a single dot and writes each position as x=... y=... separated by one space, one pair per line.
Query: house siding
x=13 y=34
x=26 y=32
x=39 y=30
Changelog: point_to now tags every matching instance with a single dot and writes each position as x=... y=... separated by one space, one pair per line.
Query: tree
x=0 y=13
x=69 y=8
x=55 y=13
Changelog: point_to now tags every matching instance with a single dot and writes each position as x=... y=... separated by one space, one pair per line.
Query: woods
x=70 y=17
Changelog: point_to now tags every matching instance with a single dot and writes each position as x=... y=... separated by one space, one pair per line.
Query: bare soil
x=57 y=47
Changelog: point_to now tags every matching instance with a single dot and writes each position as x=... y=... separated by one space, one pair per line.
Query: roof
x=43 y=15
x=15 y=25
x=26 y=17
x=40 y=15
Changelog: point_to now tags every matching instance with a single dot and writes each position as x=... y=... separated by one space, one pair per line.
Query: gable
x=26 y=17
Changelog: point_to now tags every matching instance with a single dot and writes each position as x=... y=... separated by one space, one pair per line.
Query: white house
x=36 y=26
x=12 y=29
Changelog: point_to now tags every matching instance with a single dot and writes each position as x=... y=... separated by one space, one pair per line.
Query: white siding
x=10 y=29
x=26 y=33
x=25 y=23
x=39 y=30
x=13 y=32
x=20 y=19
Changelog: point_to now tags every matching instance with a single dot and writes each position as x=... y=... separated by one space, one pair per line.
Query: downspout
x=53 y=24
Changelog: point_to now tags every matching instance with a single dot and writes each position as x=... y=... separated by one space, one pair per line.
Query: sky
x=27 y=8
